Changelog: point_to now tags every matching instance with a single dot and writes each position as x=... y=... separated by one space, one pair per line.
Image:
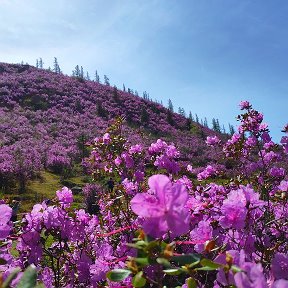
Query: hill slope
x=46 y=118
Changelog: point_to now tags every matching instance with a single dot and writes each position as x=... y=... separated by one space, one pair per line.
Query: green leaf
x=118 y=275
x=186 y=259
x=173 y=271
x=210 y=263
x=143 y=261
x=138 y=280
x=191 y=283
x=29 y=278
x=40 y=286
x=205 y=268
x=2 y=261
x=138 y=245
x=163 y=261
x=11 y=277
x=235 y=269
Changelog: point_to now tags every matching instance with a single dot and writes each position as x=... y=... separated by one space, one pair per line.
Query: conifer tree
x=56 y=67
x=124 y=88
x=145 y=95
x=191 y=116
x=37 y=63
x=196 y=118
x=214 y=124
x=76 y=72
x=218 y=126
x=205 y=122
x=41 y=63
x=181 y=111
x=170 y=106
x=106 y=80
x=97 y=78
x=81 y=72
x=231 y=129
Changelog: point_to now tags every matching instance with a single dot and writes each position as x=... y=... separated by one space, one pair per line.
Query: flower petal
x=145 y=205
x=161 y=185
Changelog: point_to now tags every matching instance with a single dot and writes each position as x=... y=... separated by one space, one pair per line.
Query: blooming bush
x=160 y=226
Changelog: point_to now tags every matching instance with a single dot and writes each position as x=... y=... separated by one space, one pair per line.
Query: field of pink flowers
x=163 y=223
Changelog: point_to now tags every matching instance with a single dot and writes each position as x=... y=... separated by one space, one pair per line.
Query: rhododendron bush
x=163 y=224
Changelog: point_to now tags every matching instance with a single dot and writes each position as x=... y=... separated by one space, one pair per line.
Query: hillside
x=47 y=118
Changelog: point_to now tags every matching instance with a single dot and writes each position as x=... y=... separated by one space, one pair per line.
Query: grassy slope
x=44 y=188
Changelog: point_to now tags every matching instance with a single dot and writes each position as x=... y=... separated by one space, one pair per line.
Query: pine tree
x=81 y=72
x=231 y=129
x=145 y=95
x=191 y=116
x=37 y=63
x=196 y=118
x=205 y=122
x=56 y=67
x=76 y=71
x=218 y=129
x=170 y=106
x=87 y=76
x=97 y=78
x=106 y=80
x=41 y=63
x=214 y=124
x=181 y=111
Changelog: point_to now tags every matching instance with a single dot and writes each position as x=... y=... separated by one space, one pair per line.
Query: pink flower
x=244 y=105
x=234 y=210
x=280 y=266
x=106 y=138
x=189 y=168
x=65 y=197
x=283 y=186
x=5 y=215
x=212 y=140
x=164 y=208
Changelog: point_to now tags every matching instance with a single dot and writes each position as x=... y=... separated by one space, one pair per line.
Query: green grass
x=44 y=187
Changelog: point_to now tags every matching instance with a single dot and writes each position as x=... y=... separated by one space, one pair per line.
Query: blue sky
x=204 y=55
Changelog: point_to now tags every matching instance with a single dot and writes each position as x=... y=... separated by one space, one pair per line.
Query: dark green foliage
x=181 y=111
x=144 y=115
x=106 y=80
x=56 y=67
x=170 y=119
x=101 y=111
x=36 y=102
x=115 y=95
x=97 y=78
x=170 y=106
x=231 y=129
